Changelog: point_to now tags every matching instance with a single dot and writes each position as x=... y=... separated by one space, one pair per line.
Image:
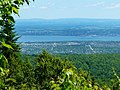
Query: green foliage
x=8 y=46
x=49 y=67
x=19 y=76
x=4 y=71
x=98 y=65
x=48 y=72
x=57 y=74
x=115 y=81
x=3 y=59
x=7 y=22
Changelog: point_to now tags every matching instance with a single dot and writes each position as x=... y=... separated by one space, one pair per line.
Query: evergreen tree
x=7 y=35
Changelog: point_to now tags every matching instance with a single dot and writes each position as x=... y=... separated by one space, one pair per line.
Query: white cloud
x=105 y=5
x=113 y=5
x=43 y=7
x=47 y=5
x=50 y=4
x=97 y=4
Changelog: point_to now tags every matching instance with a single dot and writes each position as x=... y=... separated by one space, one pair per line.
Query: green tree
x=7 y=22
x=54 y=73
x=8 y=47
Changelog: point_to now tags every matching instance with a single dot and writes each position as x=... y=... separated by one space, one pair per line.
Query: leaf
x=16 y=2
x=1 y=69
x=15 y=9
x=69 y=72
x=1 y=22
x=6 y=71
x=1 y=72
x=1 y=56
x=2 y=84
x=11 y=19
x=27 y=1
x=5 y=58
x=6 y=45
x=11 y=80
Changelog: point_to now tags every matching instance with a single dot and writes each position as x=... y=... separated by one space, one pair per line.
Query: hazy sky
x=52 y=9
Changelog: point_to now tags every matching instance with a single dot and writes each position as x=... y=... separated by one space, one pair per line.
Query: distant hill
x=69 y=27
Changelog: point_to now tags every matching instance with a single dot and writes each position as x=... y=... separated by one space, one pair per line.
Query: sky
x=55 y=9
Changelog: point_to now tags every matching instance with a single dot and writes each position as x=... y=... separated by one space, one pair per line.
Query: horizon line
x=65 y=18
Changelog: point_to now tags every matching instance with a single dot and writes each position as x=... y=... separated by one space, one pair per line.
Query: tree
x=8 y=38
x=7 y=22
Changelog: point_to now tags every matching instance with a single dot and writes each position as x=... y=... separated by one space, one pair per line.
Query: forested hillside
x=100 y=66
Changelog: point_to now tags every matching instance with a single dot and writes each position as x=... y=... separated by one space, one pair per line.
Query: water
x=29 y=38
x=68 y=30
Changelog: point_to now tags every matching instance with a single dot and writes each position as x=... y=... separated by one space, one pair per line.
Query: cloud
x=47 y=5
x=113 y=5
x=105 y=5
x=43 y=7
x=97 y=4
x=50 y=4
